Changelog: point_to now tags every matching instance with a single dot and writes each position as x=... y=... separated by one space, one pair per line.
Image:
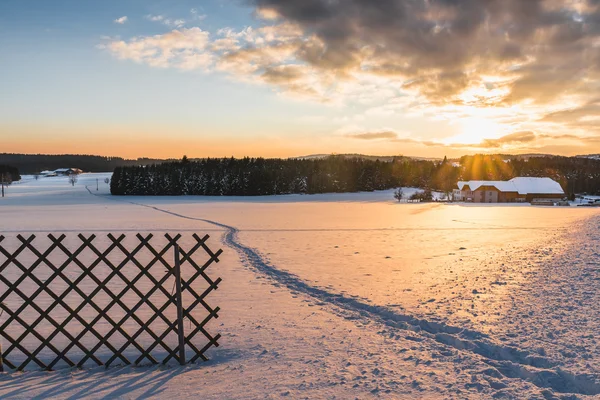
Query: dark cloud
x=442 y=46
x=591 y=109
x=520 y=139
x=516 y=139
x=563 y=136
x=439 y=87
x=513 y=138
x=590 y=139
x=374 y=135
x=282 y=74
x=393 y=137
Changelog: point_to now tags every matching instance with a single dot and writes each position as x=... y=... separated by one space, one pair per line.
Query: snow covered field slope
x=354 y=295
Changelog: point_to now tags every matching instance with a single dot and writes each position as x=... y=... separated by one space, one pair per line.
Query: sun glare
x=475 y=129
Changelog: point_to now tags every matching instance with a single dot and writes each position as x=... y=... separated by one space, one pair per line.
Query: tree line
x=260 y=176
x=36 y=163
x=335 y=174
x=9 y=174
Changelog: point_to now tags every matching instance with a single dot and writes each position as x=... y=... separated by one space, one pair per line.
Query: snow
x=353 y=295
x=503 y=186
x=527 y=185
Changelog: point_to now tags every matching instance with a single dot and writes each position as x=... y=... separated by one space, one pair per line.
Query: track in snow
x=509 y=361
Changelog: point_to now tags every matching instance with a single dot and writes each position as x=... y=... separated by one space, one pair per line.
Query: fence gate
x=75 y=301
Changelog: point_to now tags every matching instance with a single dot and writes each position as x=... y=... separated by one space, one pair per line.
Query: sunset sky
x=286 y=78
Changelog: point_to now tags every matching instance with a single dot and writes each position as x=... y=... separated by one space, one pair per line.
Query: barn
x=516 y=190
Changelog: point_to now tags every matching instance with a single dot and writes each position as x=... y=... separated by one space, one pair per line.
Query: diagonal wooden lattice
x=198 y=313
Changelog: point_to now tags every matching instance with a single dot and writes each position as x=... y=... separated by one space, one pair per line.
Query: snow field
x=354 y=295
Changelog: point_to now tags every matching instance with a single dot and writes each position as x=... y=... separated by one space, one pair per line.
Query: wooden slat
x=26 y=274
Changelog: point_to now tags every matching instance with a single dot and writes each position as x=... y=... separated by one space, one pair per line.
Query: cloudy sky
x=285 y=78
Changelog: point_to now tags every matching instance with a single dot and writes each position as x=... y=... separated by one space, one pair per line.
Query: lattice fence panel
x=89 y=300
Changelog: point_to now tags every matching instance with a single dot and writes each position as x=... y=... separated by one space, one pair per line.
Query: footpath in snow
x=359 y=297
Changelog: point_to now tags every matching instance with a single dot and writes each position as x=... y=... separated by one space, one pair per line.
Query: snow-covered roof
x=527 y=185
x=504 y=186
x=521 y=185
x=66 y=169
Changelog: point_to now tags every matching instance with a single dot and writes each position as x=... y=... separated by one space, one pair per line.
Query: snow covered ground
x=353 y=295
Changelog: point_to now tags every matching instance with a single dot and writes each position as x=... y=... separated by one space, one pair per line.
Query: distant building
x=67 y=171
x=516 y=190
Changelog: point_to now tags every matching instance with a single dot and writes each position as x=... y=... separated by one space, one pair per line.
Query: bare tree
x=5 y=180
x=425 y=195
x=399 y=194
x=73 y=178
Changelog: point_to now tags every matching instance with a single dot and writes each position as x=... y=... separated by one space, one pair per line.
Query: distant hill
x=390 y=158
x=590 y=156
x=525 y=156
x=364 y=157
x=35 y=163
x=530 y=155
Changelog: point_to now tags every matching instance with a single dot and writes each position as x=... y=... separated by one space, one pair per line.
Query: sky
x=284 y=78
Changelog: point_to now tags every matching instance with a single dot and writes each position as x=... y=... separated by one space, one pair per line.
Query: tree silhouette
x=73 y=178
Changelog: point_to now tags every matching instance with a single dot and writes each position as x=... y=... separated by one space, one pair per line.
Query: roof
x=521 y=185
x=537 y=186
x=503 y=186
x=66 y=169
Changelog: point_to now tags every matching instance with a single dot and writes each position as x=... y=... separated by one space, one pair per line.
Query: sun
x=475 y=129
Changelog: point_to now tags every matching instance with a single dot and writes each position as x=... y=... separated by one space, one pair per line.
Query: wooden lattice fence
x=72 y=301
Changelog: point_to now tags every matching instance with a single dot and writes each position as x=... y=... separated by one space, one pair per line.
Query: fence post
x=1 y=360
x=179 y=307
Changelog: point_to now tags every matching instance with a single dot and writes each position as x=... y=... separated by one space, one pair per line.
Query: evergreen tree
x=259 y=176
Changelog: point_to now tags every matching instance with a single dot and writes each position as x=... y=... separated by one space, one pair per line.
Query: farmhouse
x=516 y=190
x=67 y=171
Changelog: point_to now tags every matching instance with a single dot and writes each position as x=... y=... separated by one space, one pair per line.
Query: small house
x=67 y=171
